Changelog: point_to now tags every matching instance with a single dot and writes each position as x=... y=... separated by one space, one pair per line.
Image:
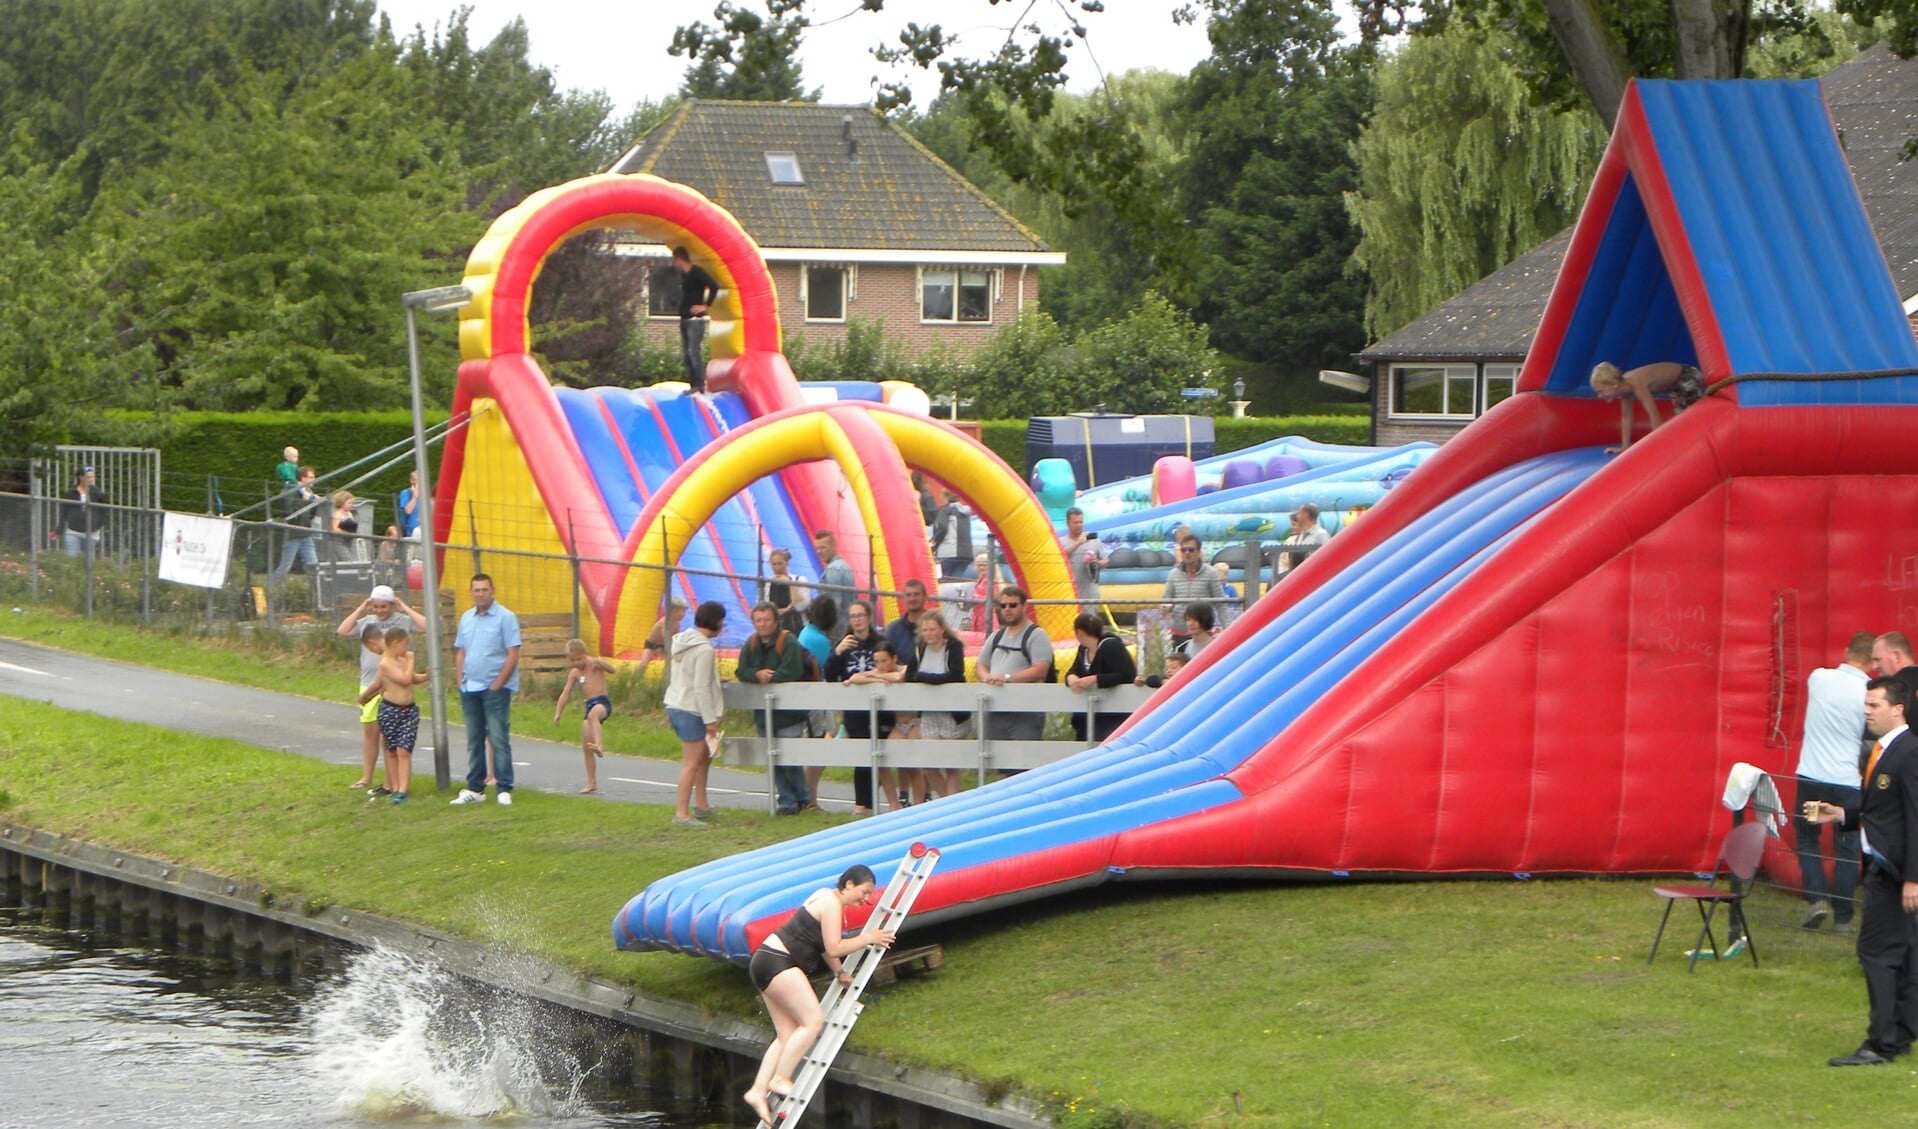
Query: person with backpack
x=1102 y=663
x=774 y=655
x=1018 y=650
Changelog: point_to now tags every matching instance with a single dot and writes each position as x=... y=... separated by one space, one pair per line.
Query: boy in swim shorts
x=589 y=674
x=399 y=718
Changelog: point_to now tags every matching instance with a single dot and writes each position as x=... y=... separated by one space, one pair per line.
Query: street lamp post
x=437 y=300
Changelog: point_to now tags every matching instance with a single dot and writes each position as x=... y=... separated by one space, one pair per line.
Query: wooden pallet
x=909 y=962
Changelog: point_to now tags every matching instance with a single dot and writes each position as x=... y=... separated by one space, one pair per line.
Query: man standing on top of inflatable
x=696 y=292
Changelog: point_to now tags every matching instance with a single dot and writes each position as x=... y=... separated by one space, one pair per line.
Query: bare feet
x=589 y=788
x=358 y=784
x=596 y=750
x=757 y=1102
x=491 y=781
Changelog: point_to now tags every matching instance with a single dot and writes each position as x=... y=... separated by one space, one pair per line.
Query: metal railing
x=978 y=699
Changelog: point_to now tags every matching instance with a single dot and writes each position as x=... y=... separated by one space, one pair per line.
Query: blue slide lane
x=1169 y=764
x=778 y=516
x=635 y=440
x=731 y=529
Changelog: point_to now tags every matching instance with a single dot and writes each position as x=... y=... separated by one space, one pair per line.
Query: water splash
x=400 y=1037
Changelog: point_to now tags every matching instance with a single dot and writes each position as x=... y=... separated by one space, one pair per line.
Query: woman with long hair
x=853 y=654
x=811 y=941
x=940 y=658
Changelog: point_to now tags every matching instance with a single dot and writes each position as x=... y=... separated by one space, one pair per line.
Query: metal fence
x=283 y=571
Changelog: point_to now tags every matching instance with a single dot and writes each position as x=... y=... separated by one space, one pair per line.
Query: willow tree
x=1460 y=172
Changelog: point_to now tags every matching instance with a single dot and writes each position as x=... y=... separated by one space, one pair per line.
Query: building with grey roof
x=855 y=218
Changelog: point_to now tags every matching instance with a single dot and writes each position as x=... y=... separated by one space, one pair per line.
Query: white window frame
x=671 y=314
x=994 y=281
x=772 y=170
x=1448 y=374
x=848 y=290
x=1491 y=372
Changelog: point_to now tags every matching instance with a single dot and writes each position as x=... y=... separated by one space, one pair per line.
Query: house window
x=1434 y=390
x=1500 y=380
x=784 y=168
x=825 y=293
x=662 y=293
x=955 y=295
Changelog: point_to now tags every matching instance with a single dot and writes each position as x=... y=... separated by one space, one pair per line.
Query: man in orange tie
x=1888 y=933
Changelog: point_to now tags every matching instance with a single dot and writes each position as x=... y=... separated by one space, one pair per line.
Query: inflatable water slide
x=558 y=493
x=1532 y=657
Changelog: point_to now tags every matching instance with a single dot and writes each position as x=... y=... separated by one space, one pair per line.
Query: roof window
x=784 y=168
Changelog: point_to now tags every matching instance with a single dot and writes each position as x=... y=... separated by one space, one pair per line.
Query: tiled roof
x=868 y=184
x=1874 y=103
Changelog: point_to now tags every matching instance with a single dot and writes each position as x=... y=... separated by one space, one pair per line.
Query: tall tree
x=1568 y=49
x=1460 y=171
x=271 y=247
x=748 y=57
x=1274 y=112
x=67 y=350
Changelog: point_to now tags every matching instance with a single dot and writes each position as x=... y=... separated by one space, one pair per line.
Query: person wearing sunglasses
x=1190 y=581
x=1018 y=650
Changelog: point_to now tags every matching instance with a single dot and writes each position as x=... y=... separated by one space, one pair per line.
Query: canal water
x=96 y=1035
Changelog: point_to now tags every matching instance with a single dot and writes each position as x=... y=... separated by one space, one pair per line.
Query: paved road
x=330 y=731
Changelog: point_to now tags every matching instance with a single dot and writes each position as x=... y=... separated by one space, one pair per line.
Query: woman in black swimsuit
x=810 y=941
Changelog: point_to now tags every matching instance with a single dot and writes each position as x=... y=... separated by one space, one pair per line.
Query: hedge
x=241 y=448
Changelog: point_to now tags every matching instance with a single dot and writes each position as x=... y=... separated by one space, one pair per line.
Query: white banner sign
x=194 y=549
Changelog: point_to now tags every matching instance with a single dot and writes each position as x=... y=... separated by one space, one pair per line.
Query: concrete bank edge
x=515 y=972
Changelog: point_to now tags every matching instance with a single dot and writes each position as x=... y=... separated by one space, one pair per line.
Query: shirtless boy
x=589 y=674
x=399 y=718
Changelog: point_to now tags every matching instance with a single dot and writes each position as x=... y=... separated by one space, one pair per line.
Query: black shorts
x=769 y=962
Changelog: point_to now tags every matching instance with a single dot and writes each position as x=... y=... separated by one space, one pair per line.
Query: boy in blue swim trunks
x=399 y=718
x=589 y=674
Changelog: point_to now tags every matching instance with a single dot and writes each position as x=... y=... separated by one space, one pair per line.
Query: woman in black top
x=851 y=655
x=812 y=940
x=1102 y=662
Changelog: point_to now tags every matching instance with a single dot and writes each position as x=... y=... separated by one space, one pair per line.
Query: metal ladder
x=841 y=1004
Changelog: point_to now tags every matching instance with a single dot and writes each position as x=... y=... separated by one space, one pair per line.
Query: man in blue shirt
x=410 y=506
x=486 y=666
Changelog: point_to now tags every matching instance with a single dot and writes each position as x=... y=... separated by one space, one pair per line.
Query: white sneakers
x=468 y=796
x=505 y=799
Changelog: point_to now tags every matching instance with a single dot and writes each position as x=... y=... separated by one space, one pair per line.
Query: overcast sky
x=621 y=47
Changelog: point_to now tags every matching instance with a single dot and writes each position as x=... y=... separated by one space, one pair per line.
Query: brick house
x=855 y=218
x=1438 y=373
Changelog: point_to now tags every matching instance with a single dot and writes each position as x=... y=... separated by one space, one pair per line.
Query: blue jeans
x=692 y=349
x=488 y=715
x=789 y=780
x=301 y=548
x=74 y=543
x=1811 y=863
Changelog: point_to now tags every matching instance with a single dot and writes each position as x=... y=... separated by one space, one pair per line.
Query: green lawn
x=1443 y=1003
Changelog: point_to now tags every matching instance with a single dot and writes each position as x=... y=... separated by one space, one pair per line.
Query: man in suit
x=1888 y=814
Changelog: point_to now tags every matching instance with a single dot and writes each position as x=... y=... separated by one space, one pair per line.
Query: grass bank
x=1179 y=1004
x=315 y=663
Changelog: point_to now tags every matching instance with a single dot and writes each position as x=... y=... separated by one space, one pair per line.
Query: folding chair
x=1740 y=853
